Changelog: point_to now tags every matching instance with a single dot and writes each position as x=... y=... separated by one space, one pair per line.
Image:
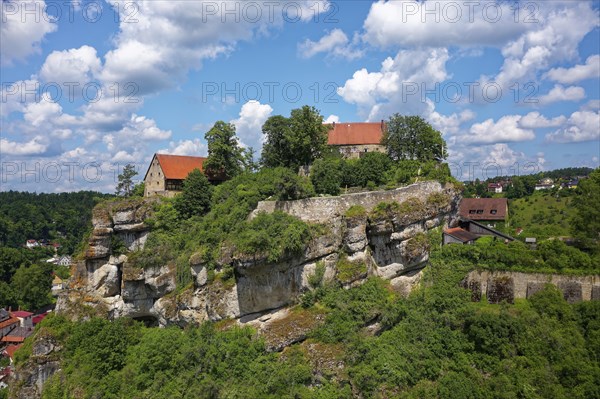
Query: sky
x=90 y=86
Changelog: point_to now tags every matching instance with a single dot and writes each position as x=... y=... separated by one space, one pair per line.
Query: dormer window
x=493 y=211
x=479 y=211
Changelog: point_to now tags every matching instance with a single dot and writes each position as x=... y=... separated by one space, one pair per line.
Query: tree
x=295 y=141
x=195 y=196
x=138 y=189
x=586 y=222
x=411 y=137
x=125 y=185
x=326 y=176
x=225 y=156
x=276 y=149
x=32 y=286
x=308 y=135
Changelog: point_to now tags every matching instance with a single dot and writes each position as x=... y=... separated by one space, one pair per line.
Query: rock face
x=501 y=286
x=390 y=244
x=42 y=364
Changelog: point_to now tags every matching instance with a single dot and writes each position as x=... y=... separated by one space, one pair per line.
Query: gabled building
x=8 y=322
x=166 y=173
x=484 y=209
x=469 y=231
x=495 y=188
x=25 y=318
x=354 y=139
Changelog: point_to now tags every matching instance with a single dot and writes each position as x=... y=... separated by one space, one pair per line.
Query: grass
x=541 y=215
x=348 y=271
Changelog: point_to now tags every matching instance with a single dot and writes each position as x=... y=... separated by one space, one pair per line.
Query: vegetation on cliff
x=436 y=343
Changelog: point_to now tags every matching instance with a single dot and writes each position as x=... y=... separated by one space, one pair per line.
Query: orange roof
x=11 y=321
x=11 y=349
x=461 y=234
x=355 y=133
x=10 y=338
x=178 y=166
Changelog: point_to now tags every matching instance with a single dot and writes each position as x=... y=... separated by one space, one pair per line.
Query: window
x=479 y=211
x=493 y=211
x=472 y=211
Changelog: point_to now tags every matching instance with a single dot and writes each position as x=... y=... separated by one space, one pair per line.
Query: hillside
x=542 y=215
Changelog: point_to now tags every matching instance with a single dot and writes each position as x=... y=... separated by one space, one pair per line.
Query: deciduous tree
x=411 y=137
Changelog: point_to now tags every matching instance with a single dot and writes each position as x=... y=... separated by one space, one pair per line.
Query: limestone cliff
x=389 y=243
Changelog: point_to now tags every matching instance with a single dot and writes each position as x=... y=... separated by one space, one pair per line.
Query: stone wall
x=321 y=209
x=504 y=285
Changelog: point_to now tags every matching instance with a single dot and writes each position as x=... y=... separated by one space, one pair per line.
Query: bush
x=326 y=176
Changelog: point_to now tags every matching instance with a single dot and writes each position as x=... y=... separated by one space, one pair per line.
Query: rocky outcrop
x=498 y=286
x=387 y=241
x=43 y=363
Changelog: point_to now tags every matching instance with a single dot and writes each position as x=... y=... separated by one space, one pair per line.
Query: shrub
x=348 y=271
x=355 y=211
x=326 y=176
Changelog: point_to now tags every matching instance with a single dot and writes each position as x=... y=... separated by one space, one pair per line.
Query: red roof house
x=484 y=209
x=166 y=173
x=353 y=139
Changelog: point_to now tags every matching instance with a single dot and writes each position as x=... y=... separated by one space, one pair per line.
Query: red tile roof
x=11 y=321
x=17 y=335
x=11 y=349
x=461 y=234
x=355 y=133
x=178 y=166
x=22 y=314
x=39 y=317
x=483 y=208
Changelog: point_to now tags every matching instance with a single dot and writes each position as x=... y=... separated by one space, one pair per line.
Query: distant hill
x=62 y=218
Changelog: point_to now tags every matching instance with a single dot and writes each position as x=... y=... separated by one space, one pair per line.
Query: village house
x=544 y=184
x=25 y=318
x=32 y=244
x=8 y=322
x=469 y=231
x=484 y=209
x=495 y=188
x=354 y=139
x=166 y=174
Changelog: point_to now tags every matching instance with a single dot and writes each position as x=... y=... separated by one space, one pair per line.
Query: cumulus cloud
x=74 y=65
x=35 y=146
x=21 y=33
x=535 y=120
x=398 y=86
x=561 y=93
x=142 y=128
x=581 y=126
x=186 y=147
x=332 y=118
x=506 y=129
x=335 y=43
x=439 y=24
x=589 y=70
x=249 y=124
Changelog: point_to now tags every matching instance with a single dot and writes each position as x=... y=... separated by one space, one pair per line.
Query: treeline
x=524 y=185
x=435 y=344
x=61 y=218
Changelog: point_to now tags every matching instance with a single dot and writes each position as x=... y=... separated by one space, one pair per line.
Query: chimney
x=382 y=125
x=334 y=124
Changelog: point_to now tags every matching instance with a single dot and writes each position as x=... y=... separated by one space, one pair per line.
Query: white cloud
x=561 y=93
x=332 y=118
x=397 y=87
x=249 y=125
x=581 y=126
x=142 y=128
x=506 y=129
x=22 y=31
x=535 y=120
x=35 y=146
x=335 y=43
x=589 y=70
x=451 y=123
x=74 y=65
x=186 y=147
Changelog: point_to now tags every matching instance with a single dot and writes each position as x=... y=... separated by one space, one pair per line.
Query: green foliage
x=586 y=222
x=355 y=211
x=348 y=271
x=125 y=186
x=195 y=197
x=272 y=235
x=31 y=286
x=138 y=189
x=63 y=218
x=326 y=176
x=295 y=141
x=226 y=157
x=412 y=138
x=117 y=245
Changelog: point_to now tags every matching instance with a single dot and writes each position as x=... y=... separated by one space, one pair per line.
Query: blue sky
x=90 y=86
